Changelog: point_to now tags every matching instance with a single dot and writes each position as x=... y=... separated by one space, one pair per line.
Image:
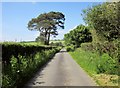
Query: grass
x=20 y=73
x=85 y=60
x=88 y=61
x=32 y=43
x=55 y=41
x=106 y=79
x=25 y=43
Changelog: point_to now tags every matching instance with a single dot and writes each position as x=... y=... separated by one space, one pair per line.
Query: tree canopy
x=77 y=36
x=104 y=18
x=47 y=24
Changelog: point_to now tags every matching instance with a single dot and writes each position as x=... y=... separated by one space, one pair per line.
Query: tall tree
x=47 y=24
x=77 y=36
x=40 y=38
x=105 y=19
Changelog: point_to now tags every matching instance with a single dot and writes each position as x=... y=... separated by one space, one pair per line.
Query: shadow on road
x=37 y=74
x=62 y=51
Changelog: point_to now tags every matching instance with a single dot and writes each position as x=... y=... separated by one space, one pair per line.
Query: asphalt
x=62 y=70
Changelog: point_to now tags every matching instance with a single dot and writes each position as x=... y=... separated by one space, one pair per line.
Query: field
x=57 y=41
x=54 y=41
x=25 y=43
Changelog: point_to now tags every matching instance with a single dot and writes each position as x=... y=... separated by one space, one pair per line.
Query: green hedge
x=94 y=63
x=108 y=54
x=15 y=49
x=70 y=48
x=110 y=48
x=22 y=66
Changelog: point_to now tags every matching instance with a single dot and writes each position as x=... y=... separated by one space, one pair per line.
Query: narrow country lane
x=62 y=70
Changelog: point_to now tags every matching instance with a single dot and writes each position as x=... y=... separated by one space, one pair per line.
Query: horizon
x=16 y=15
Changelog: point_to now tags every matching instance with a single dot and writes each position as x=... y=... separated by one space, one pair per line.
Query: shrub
x=110 y=48
x=15 y=49
x=21 y=69
x=70 y=48
x=88 y=46
x=93 y=62
x=106 y=64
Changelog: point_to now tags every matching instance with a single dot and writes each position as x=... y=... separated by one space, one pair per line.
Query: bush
x=70 y=48
x=110 y=48
x=93 y=62
x=56 y=44
x=15 y=49
x=108 y=54
x=106 y=64
x=88 y=46
x=21 y=69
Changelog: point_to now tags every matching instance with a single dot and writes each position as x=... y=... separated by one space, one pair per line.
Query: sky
x=16 y=15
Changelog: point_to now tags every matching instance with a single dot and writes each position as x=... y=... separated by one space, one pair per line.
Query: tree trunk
x=48 y=38
x=45 y=41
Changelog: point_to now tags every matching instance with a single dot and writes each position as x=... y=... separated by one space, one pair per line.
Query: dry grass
x=106 y=79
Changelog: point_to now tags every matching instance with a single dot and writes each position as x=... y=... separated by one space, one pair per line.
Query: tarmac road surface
x=62 y=70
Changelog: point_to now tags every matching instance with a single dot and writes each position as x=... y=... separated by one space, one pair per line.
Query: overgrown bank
x=100 y=57
x=22 y=62
x=99 y=62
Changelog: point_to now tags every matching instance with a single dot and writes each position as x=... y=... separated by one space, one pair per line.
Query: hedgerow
x=108 y=61
x=20 y=62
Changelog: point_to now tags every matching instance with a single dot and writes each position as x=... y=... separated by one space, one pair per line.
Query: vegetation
x=15 y=49
x=104 y=19
x=95 y=47
x=100 y=57
x=47 y=24
x=40 y=38
x=19 y=60
x=22 y=60
x=77 y=36
x=103 y=68
x=57 y=43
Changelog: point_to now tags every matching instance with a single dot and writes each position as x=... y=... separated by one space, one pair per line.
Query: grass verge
x=89 y=61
